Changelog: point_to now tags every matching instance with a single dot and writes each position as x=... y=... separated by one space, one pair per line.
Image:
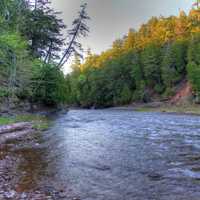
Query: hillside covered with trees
x=143 y=66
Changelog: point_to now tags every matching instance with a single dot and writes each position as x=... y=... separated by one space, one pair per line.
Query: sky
x=111 y=19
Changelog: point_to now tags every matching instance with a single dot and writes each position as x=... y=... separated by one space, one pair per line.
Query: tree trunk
x=15 y=127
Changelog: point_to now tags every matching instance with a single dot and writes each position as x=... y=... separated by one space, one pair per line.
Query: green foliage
x=25 y=52
x=13 y=40
x=137 y=70
x=125 y=95
x=151 y=60
x=194 y=76
x=142 y=66
x=14 y=61
x=3 y=93
x=193 y=67
x=48 y=85
x=174 y=63
x=45 y=33
x=40 y=123
x=106 y=86
x=169 y=92
x=194 y=49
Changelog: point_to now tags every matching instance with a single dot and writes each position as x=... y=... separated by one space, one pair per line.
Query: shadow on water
x=32 y=168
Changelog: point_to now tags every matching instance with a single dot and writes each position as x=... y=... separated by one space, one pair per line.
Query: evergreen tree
x=174 y=63
x=193 y=67
x=151 y=60
x=45 y=36
x=79 y=29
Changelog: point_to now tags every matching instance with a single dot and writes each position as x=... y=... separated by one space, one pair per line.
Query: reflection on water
x=33 y=167
x=116 y=155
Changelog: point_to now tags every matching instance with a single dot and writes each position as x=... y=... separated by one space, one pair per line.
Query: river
x=116 y=155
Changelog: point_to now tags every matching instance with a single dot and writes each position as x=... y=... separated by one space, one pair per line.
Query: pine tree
x=79 y=29
x=193 y=67
x=45 y=36
x=194 y=50
x=174 y=63
x=151 y=59
x=130 y=41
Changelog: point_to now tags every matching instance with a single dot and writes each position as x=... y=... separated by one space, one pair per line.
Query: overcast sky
x=111 y=19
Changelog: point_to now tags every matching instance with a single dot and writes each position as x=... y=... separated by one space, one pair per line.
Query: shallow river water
x=117 y=155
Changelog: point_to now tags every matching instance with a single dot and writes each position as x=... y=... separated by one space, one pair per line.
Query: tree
x=193 y=67
x=126 y=95
x=28 y=56
x=194 y=49
x=145 y=64
x=45 y=36
x=79 y=29
x=130 y=41
x=48 y=85
x=174 y=63
x=193 y=70
x=15 y=65
x=151 y=60
x=12 y=12
x=182 y=26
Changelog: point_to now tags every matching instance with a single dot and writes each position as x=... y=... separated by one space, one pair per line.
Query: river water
x=117 y=155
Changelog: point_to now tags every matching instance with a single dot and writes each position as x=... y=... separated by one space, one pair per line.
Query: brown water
x=115 y=155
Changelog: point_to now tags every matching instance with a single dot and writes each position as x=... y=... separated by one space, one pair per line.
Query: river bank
x=10 y=141
x=21 y=146
x=20 y=169
x=162 y=107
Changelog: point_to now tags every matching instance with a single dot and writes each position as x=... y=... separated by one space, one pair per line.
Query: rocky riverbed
x=18 y=174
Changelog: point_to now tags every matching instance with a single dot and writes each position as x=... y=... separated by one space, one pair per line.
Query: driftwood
x=15 y=127
x=15 y=135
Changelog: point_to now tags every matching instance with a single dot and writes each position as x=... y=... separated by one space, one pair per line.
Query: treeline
x=144 y=65
x=33 y=51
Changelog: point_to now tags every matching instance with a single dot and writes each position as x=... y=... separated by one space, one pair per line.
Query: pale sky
x=111 y=19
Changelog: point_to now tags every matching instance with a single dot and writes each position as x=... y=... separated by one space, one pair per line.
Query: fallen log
x=15 y=135
x=15 y=127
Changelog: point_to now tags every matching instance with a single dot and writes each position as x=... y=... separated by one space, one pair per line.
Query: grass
x=40 y=123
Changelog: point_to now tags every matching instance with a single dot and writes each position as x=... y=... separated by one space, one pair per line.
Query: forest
x=57 y=142
x=143 y=66
x=33 y=50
